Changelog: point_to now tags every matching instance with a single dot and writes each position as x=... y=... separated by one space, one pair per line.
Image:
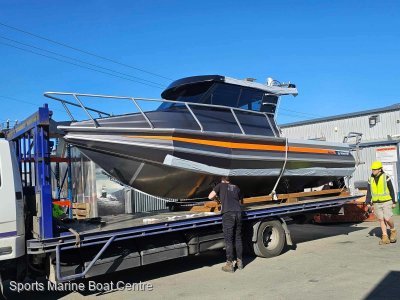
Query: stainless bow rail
x=79 y=103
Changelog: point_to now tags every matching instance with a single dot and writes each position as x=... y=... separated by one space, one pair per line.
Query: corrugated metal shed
x=335 y=128
x=367 y=156
x=379 y=127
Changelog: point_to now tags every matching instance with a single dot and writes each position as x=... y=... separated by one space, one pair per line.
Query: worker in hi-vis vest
x=381 y=194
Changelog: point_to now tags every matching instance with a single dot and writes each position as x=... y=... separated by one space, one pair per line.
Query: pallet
x=80 y=210
x=214 y=206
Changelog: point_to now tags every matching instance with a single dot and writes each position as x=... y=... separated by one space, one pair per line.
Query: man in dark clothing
x=231 y=198
x=381 y=193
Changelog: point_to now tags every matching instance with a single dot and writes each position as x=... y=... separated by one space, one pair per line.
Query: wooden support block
x=344 y=193
x=80 y=205
x=257 y=199
x=81 y=210
x=214 y=206
x=211 y=204
x=201 y=208
x=310 y=194
x=294 y=196
x=292 y=200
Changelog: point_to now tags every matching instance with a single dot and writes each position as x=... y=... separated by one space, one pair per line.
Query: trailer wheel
x=270 y=239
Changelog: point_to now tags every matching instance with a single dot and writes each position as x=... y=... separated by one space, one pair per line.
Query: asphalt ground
x=336 y=261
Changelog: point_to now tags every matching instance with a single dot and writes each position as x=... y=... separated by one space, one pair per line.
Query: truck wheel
x=270 y=239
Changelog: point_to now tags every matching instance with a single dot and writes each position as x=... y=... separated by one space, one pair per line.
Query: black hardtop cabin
x=206 y=104
x=229 y=92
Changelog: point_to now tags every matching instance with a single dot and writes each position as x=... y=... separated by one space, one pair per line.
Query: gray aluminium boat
x=206 y=127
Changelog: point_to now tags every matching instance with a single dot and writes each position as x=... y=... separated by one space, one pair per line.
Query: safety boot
x=239 y=264
x=228 y=267
x=385 y=240
x=393 y=236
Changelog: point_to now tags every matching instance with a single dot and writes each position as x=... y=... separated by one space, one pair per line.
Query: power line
x=80 y=61
x=18 y=100
x=290 y=115
x=294 y=115
x=299 y=112
x=71 y=63
x=83 y=51
x=104 y=58
x=26 y=102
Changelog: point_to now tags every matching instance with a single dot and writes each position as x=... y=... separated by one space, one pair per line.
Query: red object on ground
x=66 y=203
x=354 y=211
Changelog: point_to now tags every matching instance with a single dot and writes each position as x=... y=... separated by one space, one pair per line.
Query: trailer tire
x=271 y=239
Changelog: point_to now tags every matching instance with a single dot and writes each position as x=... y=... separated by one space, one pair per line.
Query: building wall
x=367 y=156
x=336 y=130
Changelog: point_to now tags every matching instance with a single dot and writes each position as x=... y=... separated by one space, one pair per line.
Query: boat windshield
x=217 y=93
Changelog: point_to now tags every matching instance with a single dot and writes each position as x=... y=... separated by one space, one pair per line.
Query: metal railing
x=188 y=105
x=7 y=125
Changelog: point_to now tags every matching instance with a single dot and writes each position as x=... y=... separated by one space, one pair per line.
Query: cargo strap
x=77 y=237
x=273 y=192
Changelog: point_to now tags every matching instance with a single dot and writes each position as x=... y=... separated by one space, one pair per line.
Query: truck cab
x=12 y=228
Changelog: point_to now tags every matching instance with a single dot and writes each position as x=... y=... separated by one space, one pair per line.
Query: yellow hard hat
x=376 y=165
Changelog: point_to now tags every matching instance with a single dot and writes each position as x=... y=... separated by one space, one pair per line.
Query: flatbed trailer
x=265 y=234
x=75 y=249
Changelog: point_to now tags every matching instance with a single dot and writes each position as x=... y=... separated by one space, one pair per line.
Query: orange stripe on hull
x=236 y=145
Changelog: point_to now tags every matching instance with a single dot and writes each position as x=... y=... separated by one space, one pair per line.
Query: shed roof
x=344 y=116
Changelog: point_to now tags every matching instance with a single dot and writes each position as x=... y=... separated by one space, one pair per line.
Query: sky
x=342 y=55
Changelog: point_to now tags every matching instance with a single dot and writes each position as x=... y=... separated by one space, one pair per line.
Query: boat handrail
x=65 y=102
x=188 y=105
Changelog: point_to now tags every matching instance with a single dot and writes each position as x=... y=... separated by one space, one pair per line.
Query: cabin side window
x=250 y=99
x=195 y=93
x=225 y=95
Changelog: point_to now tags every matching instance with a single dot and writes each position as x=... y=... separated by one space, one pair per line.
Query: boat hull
x=184 y=164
